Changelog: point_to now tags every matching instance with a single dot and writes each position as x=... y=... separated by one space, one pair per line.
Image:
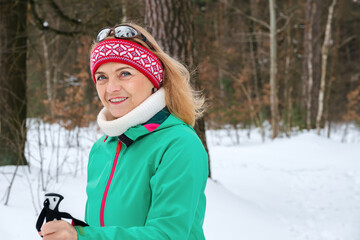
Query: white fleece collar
x=141 y=114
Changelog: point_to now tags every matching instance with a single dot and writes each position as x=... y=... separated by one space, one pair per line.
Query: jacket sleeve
x=177 y=191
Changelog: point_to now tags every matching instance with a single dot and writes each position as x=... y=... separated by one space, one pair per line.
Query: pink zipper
x=102 y=210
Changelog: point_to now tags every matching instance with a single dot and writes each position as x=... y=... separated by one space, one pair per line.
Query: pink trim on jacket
x=102 y=210
x=151 y=126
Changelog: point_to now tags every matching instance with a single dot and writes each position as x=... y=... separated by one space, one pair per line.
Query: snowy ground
x=306 y=187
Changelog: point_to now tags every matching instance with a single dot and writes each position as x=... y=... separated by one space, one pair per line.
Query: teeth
x=116 y=100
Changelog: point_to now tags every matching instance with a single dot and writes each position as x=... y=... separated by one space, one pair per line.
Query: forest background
x=288 y=65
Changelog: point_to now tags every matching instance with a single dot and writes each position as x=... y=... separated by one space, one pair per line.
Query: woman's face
x=121 y=87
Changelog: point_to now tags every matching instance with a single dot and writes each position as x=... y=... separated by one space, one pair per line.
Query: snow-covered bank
x=304 y=187
x=310 y=182
x=231 y=217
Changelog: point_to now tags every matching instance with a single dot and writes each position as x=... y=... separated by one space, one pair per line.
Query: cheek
x=142 y=91
x=100 y=91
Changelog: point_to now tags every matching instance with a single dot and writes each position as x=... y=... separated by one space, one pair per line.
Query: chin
x=118 y=114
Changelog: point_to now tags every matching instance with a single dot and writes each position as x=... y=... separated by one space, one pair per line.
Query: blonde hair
x=181 y=99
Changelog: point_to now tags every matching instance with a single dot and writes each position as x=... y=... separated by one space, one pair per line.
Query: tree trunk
x=273 y=72
x=254 y=56
x=311 y=61
x=219 y=41
x=13 y=102
x=48 y=80
x=334 y=73
x=317 y=32
x=171 y=23
x=287 y=119
x=310 y=82
x=325 y=53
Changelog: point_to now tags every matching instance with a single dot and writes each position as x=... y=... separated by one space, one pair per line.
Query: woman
x=147 y=174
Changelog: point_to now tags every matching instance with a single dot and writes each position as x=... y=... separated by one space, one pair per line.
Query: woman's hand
x=58 y=230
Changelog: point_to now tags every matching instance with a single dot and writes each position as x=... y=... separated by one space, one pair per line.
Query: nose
x=113 y=85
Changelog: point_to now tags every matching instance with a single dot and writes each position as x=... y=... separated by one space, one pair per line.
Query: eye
x=100 y=78
x=125 y=74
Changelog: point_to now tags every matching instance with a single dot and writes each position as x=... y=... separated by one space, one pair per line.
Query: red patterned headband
x=130 y=53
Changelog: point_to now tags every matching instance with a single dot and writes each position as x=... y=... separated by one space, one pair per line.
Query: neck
x=141 y=114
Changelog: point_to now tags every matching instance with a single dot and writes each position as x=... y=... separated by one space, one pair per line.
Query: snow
x=309 y=182
x=306 y=187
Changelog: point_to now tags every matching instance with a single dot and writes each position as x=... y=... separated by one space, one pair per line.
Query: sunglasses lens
x=102 y=34
x=122 y=32
x=125 y=32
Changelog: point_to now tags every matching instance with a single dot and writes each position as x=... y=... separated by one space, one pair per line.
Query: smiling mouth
x=117 y=100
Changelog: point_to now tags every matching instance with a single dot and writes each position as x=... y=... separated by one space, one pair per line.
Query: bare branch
x=237 y=10
x=10 y=185
x=62 y=15
x=349 y=39
x=287 y=20
x=264 y=24
x=40 y=23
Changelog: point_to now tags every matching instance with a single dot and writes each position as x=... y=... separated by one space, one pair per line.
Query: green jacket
x=147 y=183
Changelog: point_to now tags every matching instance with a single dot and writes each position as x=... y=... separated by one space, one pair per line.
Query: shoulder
x=181 y=145
x=177 y=133
x=99 y=143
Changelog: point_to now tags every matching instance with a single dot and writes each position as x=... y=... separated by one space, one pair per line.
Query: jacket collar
x=160 y=121
x=139 y=115
x=154 y=124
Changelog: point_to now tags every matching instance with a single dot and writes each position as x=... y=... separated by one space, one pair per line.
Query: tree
x=311 y=60
x=174 y=29
x=254 y=56
x=325 y=53
x=273 y=72
x=309 y=77
x=13 y=100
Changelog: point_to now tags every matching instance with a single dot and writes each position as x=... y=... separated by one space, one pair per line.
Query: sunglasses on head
x=124 y=32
